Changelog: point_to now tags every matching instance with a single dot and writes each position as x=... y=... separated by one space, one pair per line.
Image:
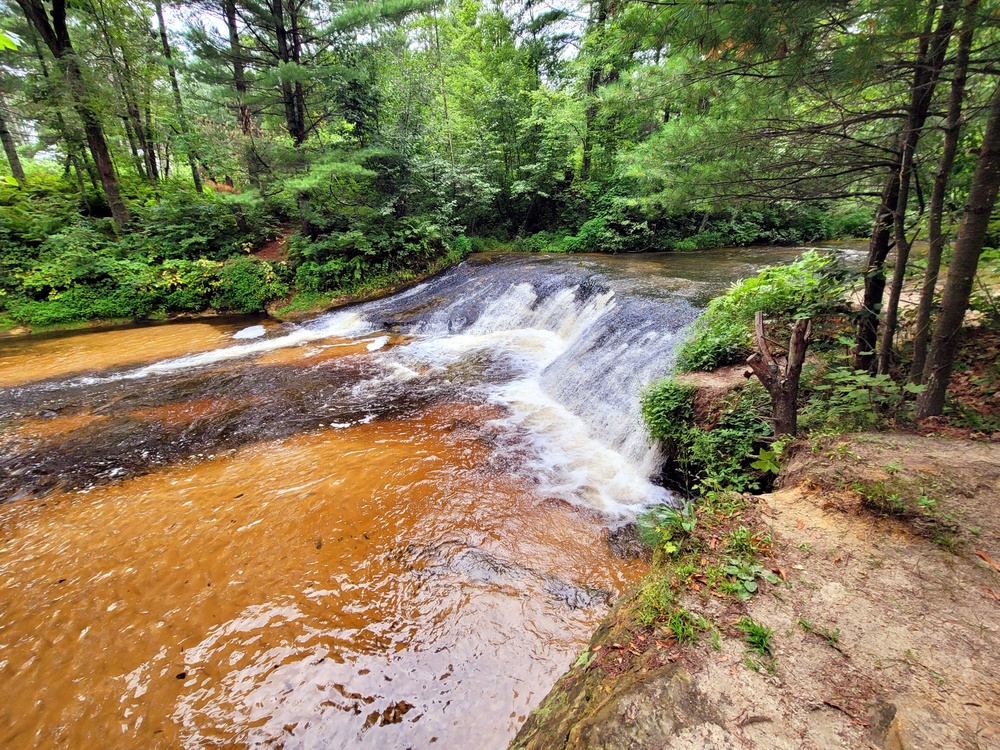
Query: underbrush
x=62 y=262
x=717 y=448
x=717 y=549
x=619 y=225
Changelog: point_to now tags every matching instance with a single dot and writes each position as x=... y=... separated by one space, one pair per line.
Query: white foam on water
x=250 y=332
x=568 y=461
x=344 y=325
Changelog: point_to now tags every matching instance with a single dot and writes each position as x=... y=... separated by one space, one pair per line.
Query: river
x=386 y=527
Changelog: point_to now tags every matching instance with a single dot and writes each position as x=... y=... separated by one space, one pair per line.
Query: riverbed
x=386 y=527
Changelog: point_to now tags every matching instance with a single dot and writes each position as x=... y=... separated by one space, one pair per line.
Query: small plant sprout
x=756 y=636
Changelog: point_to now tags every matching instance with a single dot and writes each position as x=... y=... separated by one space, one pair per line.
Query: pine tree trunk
x=598 y=17
x=922 y=95
x=244 y=115
x=9 y=147
x=935 y=210
x=56 y=37
x=135 y=115
x=295 y=128
x=178 y=102
x=863 y=354
x=133 y=148
x=962 y=270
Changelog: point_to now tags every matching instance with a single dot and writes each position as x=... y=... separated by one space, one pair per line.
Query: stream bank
x=876 y=594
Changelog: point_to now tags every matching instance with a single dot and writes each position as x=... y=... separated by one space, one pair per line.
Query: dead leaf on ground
x=988 y=560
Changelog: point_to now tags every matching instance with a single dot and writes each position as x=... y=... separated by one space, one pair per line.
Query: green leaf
x=10 y=180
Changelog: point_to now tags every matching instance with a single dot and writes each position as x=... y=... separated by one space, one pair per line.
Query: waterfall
x=563 y=347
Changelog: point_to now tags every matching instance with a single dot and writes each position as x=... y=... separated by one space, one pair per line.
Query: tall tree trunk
x=935 y=211
x=178 y=102
x=923 y=94
x=295 y=52
x=56 y=37
x=73 y=161
x=444 y=97
x=9 y=147
x=962 y=269
x=75 y=147
x=150 y=140
x=880 y=244
x=135 y=115
x=132 y=120
x=240 y=84
x=863 y=354
x=137 y=161
x=296 y=129
x=598 y=17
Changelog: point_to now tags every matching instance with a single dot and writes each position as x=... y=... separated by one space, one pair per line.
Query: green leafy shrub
x=246 y=285
x=846 y=400
x=722 y=335
x=665 y=527
x=668 y=411
x=187 y=285
x=723 y=454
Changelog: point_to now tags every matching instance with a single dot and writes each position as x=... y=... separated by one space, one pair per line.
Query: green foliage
x=742 y=577
x=246 y=285
x=60 y=265
x=656 y=600
x=741 y=542
x=667 y=409
x=722 y=335
x=721 y=455
x=658 y=606
x=665 y=527
x=848 y=400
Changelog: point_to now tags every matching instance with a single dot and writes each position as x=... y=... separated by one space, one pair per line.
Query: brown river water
x=384 y=528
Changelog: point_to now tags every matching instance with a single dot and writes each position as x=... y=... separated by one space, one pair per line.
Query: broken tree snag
x=781 y=382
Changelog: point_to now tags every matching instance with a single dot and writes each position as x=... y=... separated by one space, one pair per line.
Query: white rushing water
x=564 y=349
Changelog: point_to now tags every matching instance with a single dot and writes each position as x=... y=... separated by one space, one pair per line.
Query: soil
x=885 y=629
x=277 y=249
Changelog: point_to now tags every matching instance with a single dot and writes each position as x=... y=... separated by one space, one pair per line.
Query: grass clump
x=756 y=636
x=831 y=637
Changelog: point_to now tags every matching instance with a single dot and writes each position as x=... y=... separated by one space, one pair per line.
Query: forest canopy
x=166 y=156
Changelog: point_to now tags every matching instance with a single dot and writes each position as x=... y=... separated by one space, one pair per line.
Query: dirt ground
x=885 y=631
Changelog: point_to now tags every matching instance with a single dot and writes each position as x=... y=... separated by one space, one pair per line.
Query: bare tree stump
x=781 y=382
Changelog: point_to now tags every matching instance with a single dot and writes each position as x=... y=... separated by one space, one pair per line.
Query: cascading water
x=385 y=527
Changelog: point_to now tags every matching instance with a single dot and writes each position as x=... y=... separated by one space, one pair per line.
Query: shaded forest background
x=154 y=149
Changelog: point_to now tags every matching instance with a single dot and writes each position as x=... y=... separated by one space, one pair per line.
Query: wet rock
x=658 y=710
x=625 y=543
x=463 y=317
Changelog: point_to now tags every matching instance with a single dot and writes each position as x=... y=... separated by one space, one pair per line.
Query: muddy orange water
x=23 y=360
x=384 y=528
x=346 y=586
